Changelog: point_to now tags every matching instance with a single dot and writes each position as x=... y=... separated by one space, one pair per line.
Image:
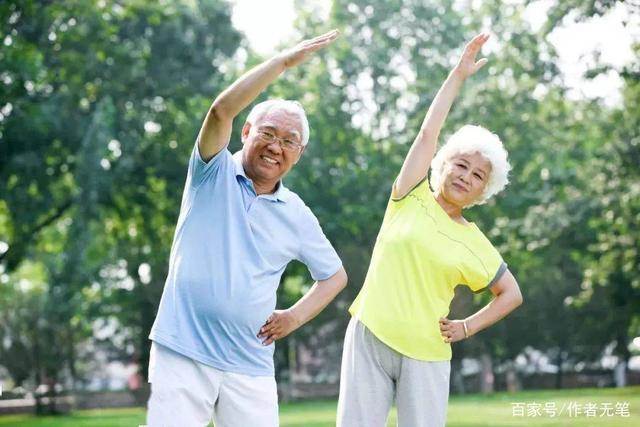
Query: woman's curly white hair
x=470 y=139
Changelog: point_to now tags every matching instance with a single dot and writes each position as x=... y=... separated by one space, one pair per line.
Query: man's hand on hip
x=280 y=324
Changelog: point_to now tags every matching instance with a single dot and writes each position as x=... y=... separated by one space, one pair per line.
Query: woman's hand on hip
x=452 y=330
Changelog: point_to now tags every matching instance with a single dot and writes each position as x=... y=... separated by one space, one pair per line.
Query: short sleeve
x=199 y=170
x=421 y=189
x=484 y=268
x=316 y=252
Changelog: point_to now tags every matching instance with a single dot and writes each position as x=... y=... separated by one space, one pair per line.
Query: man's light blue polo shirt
x=229 y=251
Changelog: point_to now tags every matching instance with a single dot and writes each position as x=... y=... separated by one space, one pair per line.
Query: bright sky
x=268 y=23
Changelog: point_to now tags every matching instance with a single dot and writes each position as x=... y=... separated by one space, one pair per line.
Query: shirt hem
x=398 y=349
x=172 y=345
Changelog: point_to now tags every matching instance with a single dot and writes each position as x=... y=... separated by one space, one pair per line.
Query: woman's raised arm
x=416 y=164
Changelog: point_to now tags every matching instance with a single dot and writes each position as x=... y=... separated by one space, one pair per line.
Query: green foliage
x=377 y=82
x=101 y=102
x=104 y=99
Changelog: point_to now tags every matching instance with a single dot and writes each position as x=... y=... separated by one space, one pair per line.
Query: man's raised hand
x=300 y=52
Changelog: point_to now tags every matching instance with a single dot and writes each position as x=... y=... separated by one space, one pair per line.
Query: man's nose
x=275 y=147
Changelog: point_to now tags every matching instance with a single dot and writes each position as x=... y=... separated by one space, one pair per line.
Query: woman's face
x=465 y=178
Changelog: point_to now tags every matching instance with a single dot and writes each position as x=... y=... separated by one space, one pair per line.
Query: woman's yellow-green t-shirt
x=420 y=256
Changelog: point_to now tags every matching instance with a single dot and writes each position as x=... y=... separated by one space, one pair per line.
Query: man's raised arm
x=215 y=132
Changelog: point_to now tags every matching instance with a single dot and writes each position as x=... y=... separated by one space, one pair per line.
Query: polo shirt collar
x=281 y=194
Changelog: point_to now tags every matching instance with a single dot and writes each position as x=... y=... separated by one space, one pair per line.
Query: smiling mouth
x=460 y=187
x=269 y=160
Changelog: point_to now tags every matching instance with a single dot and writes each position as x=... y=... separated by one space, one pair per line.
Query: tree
x=102 y=105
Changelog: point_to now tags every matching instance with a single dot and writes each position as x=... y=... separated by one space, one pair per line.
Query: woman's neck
x=454 y=211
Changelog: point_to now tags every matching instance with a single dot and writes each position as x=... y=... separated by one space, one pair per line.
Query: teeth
x=269 y=160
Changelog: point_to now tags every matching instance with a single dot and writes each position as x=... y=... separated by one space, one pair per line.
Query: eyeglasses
x=285 y=144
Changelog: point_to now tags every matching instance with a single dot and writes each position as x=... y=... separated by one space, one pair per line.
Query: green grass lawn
x=464 y=411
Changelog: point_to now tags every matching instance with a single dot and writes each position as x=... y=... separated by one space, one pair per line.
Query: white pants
x=186 y=393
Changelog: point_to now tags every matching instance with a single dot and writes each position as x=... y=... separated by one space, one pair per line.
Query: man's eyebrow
x=291 y=132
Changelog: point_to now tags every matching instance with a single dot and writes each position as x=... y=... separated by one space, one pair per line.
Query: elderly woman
x=398 y=342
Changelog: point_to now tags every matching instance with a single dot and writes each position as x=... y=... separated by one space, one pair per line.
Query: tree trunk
x=621 y=370
x=52 y=394
x=513 y=383
x=457 y=379
x=486 y=374
x=559 y=373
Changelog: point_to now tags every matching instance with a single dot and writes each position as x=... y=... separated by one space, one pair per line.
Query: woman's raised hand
x=467 y=65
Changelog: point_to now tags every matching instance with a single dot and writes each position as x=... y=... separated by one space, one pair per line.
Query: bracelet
x=466 y=331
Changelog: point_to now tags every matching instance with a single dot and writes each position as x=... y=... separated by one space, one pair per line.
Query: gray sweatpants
x=373 y=374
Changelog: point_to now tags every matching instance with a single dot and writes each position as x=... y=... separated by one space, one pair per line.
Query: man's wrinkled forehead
x=282 y=121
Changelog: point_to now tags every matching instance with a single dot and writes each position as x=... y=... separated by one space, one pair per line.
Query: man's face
x=465 y=179
x=269 y=161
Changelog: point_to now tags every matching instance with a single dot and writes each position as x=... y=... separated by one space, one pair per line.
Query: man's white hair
x=292 y=107
x=471 y=139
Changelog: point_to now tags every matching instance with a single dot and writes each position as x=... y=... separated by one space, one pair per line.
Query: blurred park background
x=100 y=104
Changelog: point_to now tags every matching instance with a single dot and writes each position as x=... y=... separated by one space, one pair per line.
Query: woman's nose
x=466 y=177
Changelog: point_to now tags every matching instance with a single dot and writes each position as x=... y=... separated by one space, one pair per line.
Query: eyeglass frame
x=271 y=138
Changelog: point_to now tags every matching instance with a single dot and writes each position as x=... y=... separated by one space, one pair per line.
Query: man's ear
x=245 y=131
x=300 y=155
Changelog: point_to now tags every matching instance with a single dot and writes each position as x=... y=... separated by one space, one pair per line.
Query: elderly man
x=239 y=226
